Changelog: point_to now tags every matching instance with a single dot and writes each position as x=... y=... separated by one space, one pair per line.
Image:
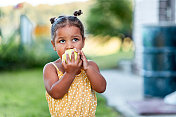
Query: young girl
x=71 y=84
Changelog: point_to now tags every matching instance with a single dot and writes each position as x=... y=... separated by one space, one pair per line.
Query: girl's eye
x=62 y=41
x=75 y=39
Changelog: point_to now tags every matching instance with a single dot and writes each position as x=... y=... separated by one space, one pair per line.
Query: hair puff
x=52 y=20
x=77 y=13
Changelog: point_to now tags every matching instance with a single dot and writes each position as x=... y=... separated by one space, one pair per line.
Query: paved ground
x=122 y=87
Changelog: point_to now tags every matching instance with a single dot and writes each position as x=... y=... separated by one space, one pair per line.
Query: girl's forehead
x=67 y=30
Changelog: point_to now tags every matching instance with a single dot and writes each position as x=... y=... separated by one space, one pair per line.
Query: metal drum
x=159 y=60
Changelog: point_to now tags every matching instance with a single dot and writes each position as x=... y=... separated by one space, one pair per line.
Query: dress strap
x=55 y=66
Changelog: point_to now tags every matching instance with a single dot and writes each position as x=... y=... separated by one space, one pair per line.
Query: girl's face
x=68 y=37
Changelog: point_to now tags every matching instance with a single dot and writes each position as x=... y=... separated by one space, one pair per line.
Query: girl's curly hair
x=62 y=21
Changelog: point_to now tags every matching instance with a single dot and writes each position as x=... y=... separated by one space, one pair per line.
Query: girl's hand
x=85 y=61
x=83 y=58
x=72 y=66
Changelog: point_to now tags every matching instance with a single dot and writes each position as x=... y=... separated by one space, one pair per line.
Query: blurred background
x=25 y=48
x=25 y=32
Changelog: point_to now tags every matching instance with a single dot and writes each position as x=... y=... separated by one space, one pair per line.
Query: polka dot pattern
x=80 y=101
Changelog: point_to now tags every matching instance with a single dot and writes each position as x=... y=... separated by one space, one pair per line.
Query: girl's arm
x=56 y=87
x=97 y=81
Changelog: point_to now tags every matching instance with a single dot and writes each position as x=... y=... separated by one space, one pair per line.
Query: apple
x=69 y=52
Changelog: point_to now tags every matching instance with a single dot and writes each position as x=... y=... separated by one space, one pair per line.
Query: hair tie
x=55 y=19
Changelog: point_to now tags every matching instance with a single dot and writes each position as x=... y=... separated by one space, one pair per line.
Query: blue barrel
x=159 y=60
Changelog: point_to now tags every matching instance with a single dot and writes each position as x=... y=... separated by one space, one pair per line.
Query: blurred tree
x=1 y=15
x=110 y=17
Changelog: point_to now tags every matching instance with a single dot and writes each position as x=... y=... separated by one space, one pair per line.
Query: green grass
x=103 y=110
x=22 y=94
x=111 y=61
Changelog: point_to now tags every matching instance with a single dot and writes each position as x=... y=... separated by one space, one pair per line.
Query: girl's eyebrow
x=76 y=36
x=60 y=38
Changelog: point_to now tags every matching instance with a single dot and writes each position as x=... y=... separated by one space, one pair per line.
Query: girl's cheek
x=59 y=54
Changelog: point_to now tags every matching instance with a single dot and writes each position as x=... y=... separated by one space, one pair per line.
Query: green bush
x=15 y=55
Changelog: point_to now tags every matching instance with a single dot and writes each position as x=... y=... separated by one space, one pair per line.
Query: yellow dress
x=80 y=101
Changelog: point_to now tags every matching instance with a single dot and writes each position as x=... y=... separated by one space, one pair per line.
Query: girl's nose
x=69 y=46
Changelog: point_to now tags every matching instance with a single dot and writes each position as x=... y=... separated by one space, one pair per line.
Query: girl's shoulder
x=93 y=64
x=55 y=65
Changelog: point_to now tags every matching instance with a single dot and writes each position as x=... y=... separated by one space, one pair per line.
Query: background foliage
x=110 y=17
x=104 y=17
x=14 y=55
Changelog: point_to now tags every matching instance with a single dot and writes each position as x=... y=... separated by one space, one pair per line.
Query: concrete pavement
x=123 y=86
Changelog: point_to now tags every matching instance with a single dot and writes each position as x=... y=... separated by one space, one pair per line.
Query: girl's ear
x=53 y=45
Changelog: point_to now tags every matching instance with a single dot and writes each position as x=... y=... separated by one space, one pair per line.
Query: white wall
x=145 y=12
x=175 y=11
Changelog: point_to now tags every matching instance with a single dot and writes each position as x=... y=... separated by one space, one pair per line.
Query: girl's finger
x=64 y=64
x=67 y=58
x=80 y=63
x=78 y=58
x=73 y=57
x=83 y=56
